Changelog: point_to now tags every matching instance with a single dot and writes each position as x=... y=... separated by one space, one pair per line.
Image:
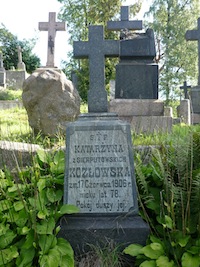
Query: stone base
x=195 y=99
x=195 y=118
x=137 y=107
x=149 y=124
x=82 y=231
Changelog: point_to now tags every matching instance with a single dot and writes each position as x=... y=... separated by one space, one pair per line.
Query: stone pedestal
x=184 y=111
x=136 y=81
x=195 y=104
x=100 y=180
x=144 y=115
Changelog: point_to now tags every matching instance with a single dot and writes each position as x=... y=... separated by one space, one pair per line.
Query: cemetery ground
x=168 y=186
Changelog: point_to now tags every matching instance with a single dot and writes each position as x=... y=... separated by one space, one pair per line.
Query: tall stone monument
x=136 y=87
x=52 y=26
x=20 y=64
x=2 y=72
x=194 y=35
x=136 y=73
x=99 y=177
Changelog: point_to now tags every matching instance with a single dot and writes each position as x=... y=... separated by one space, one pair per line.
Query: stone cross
x=124 y=23
x=51 y=26
x=185 y=87
x=1 y=61
x=96 y=49
x=19 y=49
x=194 y=35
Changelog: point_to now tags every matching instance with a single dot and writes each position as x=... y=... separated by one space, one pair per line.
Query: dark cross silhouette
x=96 y=49
x=194 y=35
x=185 y=87
x=124 y=23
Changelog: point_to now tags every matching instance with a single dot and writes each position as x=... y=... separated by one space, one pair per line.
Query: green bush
x=8 y=94
x=30 y=207
x=169 y=197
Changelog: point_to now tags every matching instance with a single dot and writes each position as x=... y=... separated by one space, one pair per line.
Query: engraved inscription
x=99 y=174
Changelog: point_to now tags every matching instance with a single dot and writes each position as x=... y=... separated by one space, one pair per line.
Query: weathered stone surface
x=151 y=124
x=137 y=107
x=195 y=99
x=51 y=101
x=136 y=81
x=13 y=154
x=184 y=111
x=195 y=118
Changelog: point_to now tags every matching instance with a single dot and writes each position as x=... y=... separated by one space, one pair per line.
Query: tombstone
x=96 y=49
x=52 y=27
x=21 y=64
x=185 y=87
x=136 y=73
x=194 y=35
x=99 y=176
x=2 y=73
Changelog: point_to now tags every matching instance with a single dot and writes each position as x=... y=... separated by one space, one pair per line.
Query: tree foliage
x=177 y=57
x=8 y=47
x=79 y=14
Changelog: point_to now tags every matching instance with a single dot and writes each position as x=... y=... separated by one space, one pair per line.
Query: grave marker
x=20 y=64
x=194 y=35
x=96 y=49
x=124 y=23
x=52 y=26
x=185 y=87
x=2 y=72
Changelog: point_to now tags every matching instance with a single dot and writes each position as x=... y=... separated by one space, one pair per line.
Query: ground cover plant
x=169 y=198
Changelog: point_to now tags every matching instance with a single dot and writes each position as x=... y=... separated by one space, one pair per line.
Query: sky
x=21 y=18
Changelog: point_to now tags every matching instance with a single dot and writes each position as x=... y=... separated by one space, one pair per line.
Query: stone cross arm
x=124 y=23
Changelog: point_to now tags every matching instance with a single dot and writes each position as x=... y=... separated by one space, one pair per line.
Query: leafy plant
x=30 y=207
x=169 y=196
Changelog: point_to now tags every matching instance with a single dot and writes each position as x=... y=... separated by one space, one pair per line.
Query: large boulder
x=51 y=101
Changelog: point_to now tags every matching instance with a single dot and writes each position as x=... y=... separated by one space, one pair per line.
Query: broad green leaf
x=6 y=239
x=29 y=240
x=46 y=242
x=54 y=195
x=43 y=156
x=189 y=260
x=18 y=205
x=183 y=240
x=42 y=214
x=7 y=255
x=64 y=247
x=148 y=264
x=26 y=257
x=3 y=228
x=5 y=205
x=24 y=230
x=151 y=253
x=45 y=227
x=51 y=259
x=22 y=218
x=41 y=184
x=157 y=246
x=133 y=250
x=194 y=250
x=168 y=222
x=67 y=261
x=163 y=261
x=69 y=209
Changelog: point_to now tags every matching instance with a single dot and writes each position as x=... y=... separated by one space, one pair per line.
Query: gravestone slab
x=100 y=180
x=136 y=81
x=99 y=168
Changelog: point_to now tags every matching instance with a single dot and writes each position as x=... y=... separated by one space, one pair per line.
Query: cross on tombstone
x=96 y=49
x=52 y=27
x=124 y=23
x=194 y=35
x=19 y=50
x=185 y=87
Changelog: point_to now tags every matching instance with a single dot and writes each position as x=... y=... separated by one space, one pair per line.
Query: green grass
x=9 y=94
